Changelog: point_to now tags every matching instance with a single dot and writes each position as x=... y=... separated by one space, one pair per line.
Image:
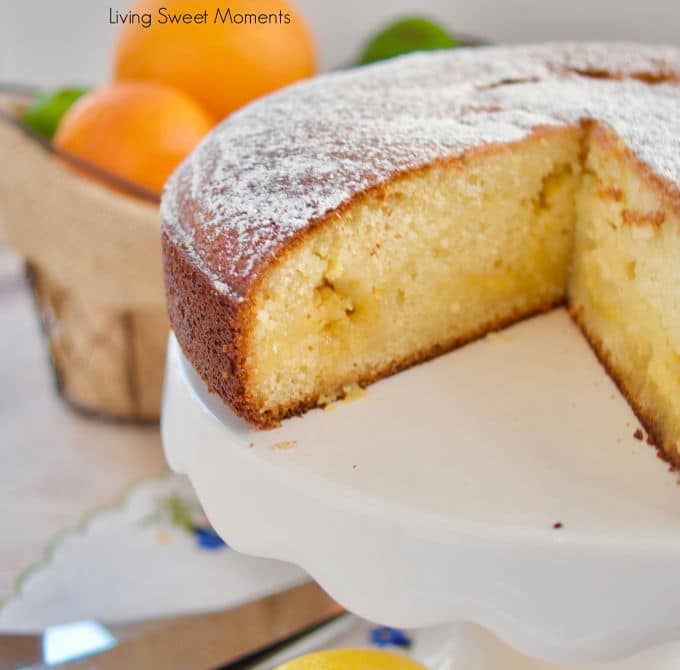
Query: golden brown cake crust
x=210 y=327
x=645 y=416
x=667 y=191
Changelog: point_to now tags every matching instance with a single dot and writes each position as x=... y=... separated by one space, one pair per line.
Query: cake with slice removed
x=349 y=226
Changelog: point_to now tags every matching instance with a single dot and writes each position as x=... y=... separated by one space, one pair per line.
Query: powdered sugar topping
x=269 y=169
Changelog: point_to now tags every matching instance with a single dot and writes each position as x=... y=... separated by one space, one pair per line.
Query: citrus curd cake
x=354 y=224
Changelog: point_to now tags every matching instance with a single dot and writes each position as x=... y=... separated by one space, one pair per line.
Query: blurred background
x=40 y=41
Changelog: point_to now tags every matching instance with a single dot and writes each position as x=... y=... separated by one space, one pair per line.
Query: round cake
x=351 y=225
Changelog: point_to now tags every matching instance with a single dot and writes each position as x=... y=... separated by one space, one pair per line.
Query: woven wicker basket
x=93 y=256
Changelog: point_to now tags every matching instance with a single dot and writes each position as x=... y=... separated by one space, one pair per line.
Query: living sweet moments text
x=221 y=15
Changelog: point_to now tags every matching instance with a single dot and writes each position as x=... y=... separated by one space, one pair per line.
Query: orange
x=222 y=65
x=139 y=131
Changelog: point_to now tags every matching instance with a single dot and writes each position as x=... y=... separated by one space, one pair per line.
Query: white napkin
x=133 y=562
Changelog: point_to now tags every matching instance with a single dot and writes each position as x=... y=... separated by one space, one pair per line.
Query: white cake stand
x=433 y=499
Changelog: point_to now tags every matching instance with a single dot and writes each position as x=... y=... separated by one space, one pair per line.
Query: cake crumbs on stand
x=498 y=337
x=349 y=393
x=352 y=392
x=284 y=445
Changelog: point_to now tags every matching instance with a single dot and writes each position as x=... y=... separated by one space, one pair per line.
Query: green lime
x=404 y=36
x=46 y=111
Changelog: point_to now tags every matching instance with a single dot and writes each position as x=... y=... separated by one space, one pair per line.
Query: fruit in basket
x=407 y=35
x=224 y=59
x=352 y=659
x=139 y=131
x=46 y=111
